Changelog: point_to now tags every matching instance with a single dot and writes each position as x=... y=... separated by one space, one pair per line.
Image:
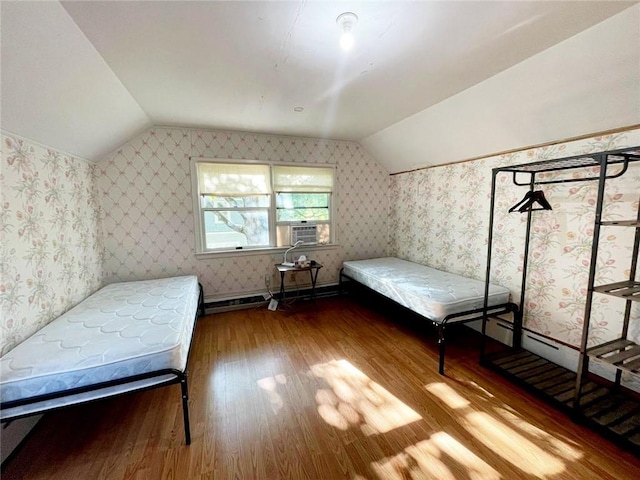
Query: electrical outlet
x=293 y=276
x=267 y=280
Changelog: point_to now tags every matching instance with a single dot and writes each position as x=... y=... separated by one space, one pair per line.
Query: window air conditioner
x=307 y=232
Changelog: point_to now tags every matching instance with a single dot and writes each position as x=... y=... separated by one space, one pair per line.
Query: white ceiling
x=86 y=76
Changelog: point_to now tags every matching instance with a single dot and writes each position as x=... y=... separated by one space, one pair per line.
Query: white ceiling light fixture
x=347 y=21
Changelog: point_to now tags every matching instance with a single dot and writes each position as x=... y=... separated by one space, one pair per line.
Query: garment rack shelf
x=622 y=223
x=622 y=354
x=629 y=290
x=613 y=414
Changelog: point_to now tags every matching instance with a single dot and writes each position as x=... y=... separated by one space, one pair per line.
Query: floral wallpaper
x=50 y=254
x=148 y=224
x=440 y=217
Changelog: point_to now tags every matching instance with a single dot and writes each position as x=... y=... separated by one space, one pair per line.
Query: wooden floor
x=322 y=391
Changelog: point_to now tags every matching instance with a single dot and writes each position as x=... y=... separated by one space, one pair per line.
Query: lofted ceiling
x=86 y=76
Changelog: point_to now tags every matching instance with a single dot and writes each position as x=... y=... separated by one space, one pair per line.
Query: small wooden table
x=313 y=274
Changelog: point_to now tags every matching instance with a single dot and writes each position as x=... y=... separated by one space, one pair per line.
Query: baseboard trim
x=256 y=300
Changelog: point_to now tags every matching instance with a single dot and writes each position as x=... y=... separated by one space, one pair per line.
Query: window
x=303 y=194
x=252 y=205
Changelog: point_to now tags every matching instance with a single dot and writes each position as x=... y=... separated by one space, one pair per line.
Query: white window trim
x=202 y=253
x=264 y=251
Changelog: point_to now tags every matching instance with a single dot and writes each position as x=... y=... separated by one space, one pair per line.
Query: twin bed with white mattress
x=125 y=337
x=441 y=297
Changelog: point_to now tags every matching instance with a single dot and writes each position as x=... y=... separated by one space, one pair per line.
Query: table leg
x=314 y=277
x=281 y=286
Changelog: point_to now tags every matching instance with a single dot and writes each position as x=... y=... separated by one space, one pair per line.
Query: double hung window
x=303 y=194
x=254 y=205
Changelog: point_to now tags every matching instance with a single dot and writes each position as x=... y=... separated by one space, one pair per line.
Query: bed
x=126 y=337
x=440 y=297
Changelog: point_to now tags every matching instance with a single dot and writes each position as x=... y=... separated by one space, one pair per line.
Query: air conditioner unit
x=307 y=232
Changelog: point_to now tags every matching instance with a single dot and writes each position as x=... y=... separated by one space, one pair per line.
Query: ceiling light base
x=347 y=21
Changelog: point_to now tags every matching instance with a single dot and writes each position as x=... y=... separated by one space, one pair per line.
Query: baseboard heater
x=252 y=301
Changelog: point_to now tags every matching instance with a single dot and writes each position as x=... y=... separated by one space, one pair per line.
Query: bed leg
x=441 y=345
x=517 y=328
x=185 y=408
x=201 y=300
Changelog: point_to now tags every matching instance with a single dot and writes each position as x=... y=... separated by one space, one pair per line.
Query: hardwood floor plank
x=325 y=390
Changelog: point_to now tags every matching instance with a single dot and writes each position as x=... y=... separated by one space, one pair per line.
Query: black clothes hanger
x=531 y=198
x=522 y=202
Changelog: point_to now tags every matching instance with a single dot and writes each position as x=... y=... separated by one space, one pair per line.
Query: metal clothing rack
x=605 y=406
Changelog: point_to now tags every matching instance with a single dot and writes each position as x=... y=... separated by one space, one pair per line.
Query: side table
x=313 y=275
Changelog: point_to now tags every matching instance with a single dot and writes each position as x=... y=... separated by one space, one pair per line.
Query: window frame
x=296 y=222
x=273 y=224
x=230 y=211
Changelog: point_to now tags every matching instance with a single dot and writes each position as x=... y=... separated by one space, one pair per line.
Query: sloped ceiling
x=85 y=76
x=586 y=84
x=56 y=88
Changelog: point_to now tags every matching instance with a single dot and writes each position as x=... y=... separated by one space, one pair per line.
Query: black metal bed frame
x=476 y=314
x=179 y=377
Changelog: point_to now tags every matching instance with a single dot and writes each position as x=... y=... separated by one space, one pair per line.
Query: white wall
x=586 y=84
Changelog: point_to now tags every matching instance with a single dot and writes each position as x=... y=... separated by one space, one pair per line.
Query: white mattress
x=124 y=329
x=431 y=293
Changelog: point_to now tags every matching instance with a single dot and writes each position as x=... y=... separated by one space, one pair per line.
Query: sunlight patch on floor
x=482 y=390
x=448 y=395
x=511 y=445
x=527 y=447
x=441 y=457
x=355 y=400
x=553 y=444
x=270 y=385
x=475 y=466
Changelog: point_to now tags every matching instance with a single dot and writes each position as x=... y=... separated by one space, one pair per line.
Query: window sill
x=264 y=251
